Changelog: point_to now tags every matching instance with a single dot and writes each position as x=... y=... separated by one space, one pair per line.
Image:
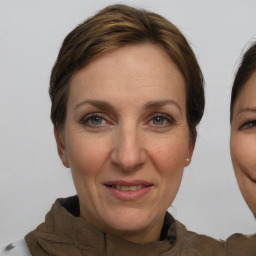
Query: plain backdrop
x=31 y=174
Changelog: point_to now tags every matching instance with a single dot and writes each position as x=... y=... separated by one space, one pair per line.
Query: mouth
x=249 y=176
x=128 y=188
x=128 y=191
x=252 y=179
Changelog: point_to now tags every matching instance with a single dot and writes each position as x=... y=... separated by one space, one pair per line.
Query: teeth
x=128 y=188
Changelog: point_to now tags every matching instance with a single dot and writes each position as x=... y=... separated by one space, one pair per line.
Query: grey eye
x=95 y=120
x=159 y=120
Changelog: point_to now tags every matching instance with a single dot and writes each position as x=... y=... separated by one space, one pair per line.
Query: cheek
x=169 y=160
x=170 y=155
x=86 y=155
x=243 y=152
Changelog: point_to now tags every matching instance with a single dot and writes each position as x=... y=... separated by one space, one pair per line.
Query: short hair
x=116 y=26
x=245 y=70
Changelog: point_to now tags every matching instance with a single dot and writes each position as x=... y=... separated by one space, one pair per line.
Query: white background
x=32 y=176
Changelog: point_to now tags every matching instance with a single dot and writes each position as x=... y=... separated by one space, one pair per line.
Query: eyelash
x=166 y=118
x=248 y=125
x=87 y=120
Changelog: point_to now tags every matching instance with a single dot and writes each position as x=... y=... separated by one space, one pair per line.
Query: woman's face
x=126 y=140
x=243 y=142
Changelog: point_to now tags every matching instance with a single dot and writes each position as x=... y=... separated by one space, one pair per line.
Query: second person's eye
x=248 y=125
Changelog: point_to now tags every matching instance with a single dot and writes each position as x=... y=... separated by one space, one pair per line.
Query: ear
x=190 y=153
x=61 y=147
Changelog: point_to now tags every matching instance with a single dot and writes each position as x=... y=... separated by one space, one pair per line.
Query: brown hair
x=245 y=70
x=119 y=25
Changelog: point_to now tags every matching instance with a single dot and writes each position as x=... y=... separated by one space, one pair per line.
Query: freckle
x=9 y=247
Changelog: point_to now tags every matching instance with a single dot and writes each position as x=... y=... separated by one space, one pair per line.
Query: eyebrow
x=253 y=110
x=97 y=103
x=106 y=106
x=158 y=104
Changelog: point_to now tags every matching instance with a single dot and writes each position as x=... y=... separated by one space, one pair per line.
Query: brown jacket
x=64 y=233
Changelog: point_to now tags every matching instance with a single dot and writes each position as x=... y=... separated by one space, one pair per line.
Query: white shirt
x=18 y=248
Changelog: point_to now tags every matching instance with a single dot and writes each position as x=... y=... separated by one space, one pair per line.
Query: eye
x=94 y=120
x=161 y=120
x=248 y=125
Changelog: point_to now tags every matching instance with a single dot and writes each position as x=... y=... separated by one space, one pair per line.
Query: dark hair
x=119 y=25
x=245 y=70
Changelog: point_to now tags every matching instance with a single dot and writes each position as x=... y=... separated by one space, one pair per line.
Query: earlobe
x=188 y=160
x=61 y=147
x=190 y=153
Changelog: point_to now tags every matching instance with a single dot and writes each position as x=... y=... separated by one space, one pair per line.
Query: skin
x=126 y=121
x=243 y=142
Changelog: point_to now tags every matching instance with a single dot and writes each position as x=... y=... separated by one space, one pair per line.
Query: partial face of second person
x=126 y=140
x=243 y=141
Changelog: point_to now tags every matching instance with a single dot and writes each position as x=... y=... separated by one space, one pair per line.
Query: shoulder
x=18 y=248
x=239 y=244
x=199 y=244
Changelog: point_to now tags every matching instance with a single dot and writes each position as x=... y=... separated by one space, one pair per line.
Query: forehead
x=247 y=96
x=130 y=68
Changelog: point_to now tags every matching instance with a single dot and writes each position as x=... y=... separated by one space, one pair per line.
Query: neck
x=147 y=234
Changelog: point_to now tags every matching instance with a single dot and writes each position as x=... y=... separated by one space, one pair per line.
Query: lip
x=128 y=195
x=249 y=176
x=128 y=183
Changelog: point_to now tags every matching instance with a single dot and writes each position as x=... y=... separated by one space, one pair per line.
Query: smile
x=129 y=191
x=128 y=188
x=249 y=176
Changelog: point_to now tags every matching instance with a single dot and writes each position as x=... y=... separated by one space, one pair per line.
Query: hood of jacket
x=65 y=233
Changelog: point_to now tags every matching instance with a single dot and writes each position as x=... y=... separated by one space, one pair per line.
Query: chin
x=130 y=220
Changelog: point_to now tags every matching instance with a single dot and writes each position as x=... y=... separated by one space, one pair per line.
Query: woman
x=243 y=127
x=127 y=94
x=242 y=140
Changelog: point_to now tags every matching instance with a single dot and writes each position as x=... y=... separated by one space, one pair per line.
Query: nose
x=128 y=152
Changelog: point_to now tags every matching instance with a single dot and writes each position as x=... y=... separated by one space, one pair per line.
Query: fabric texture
x=65 y=233
x=241 y=245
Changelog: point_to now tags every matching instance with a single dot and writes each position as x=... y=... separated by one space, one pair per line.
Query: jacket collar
x=65 y=233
